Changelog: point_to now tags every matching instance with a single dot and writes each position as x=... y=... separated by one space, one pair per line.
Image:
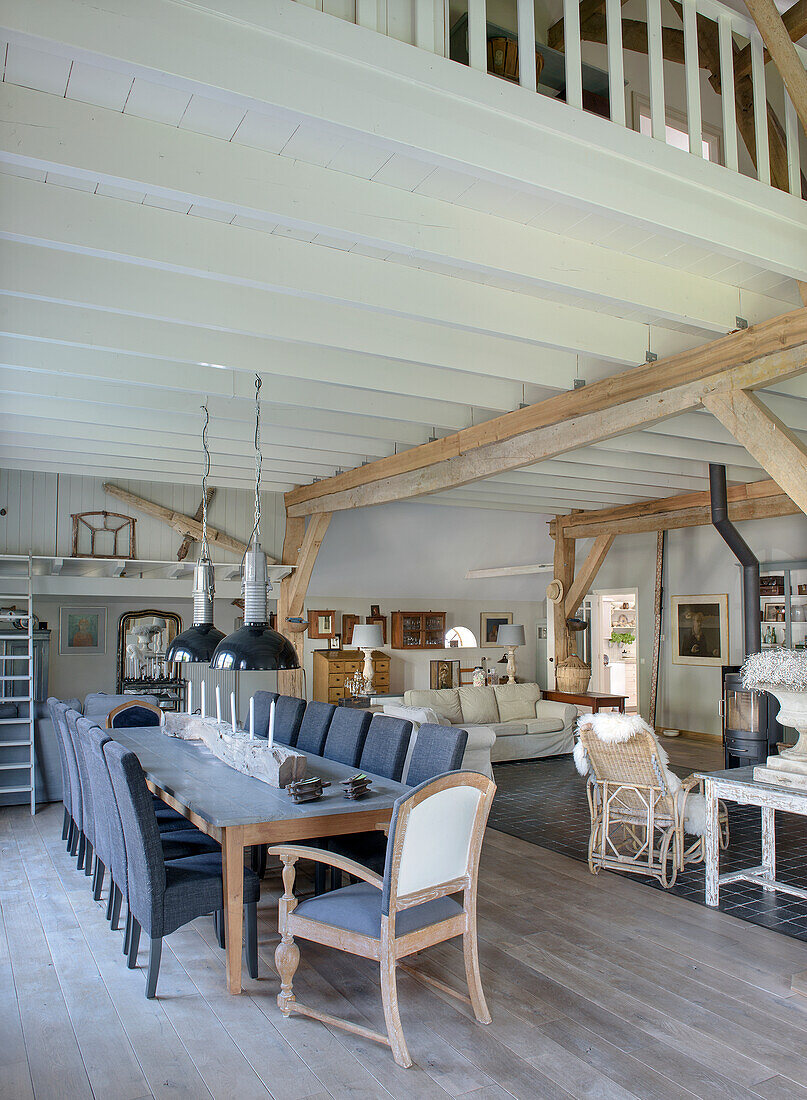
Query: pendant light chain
x=256 y=530
x=206 y=450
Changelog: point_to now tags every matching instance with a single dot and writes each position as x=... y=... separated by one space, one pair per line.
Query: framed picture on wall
x=700 y=630
x=348 y=622
x=335 y=642
x=321 y=624
x=381 y=620
x=82 y=630
x=444 y=674
x=489 y=624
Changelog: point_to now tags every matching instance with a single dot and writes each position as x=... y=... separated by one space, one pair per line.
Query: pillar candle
x=203 y=713
x=271 y=735
x=190 y=696
x=252 y=717
x=232 y=710
x=218 y=703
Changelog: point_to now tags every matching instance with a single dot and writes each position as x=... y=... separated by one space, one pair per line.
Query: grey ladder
x=17 y=753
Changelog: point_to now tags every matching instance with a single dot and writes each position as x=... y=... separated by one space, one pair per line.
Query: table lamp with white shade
x=510 y=636
x=367 y=637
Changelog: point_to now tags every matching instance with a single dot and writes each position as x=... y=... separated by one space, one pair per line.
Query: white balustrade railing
x=734 y=32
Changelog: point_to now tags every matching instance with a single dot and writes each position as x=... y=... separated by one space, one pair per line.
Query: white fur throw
x=616 y=728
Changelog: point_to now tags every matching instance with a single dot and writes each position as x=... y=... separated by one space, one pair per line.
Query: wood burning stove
x=750 y=728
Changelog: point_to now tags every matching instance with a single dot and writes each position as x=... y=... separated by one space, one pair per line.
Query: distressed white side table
x=738 y=785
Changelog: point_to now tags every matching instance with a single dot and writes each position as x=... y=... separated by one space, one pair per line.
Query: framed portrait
x=700 y=630
x=321 y=624
x=335 y=642
x=348 y=622
x=82 y=630
x=444 y=674
x=489 y=624
x=382 y=621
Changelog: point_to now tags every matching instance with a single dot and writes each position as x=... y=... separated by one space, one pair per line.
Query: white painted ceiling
x=125 y=307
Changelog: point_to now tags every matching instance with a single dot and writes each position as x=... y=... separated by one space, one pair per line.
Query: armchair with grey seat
x=436 y=836
x=165 y=894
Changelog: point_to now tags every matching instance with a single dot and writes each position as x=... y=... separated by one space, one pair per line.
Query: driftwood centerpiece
x=275 y=764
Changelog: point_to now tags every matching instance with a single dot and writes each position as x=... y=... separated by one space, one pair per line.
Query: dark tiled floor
x=544 y=802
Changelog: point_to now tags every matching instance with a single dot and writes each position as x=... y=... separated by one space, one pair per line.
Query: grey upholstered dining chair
x=346 y=735
x=57 y=709
x=314 y=727
x=437 y=750
x=385 y=747
x=436 y=836
x=165 y=894
x=134 y=712
x=86 y=842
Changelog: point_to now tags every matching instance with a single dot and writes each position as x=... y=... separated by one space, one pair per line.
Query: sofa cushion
x=418 y=716
x=516 y=700
x=445 y=702
x=508 y=729
x=478 y=705
x=544 y=725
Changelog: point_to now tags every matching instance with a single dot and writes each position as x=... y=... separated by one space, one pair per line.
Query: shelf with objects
x=783 y=604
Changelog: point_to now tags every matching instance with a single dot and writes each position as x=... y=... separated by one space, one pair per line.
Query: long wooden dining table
x=240 y=811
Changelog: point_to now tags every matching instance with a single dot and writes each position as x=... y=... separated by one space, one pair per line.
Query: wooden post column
x=564 y=572
x=300 y=548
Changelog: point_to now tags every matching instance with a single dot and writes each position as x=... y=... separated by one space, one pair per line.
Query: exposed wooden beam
x=589 y=10
x=507 y=571
x=775 y=447
x=782 y=51
x=587 y=572
x=564 y=572
x=756 y=500
x=185 y=545
x=621 y=403
x=300 y=546
x=185 y=525
x=795 y=21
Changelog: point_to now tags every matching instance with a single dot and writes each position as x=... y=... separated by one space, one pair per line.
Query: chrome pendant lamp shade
x=255 y=646
x=198 y=643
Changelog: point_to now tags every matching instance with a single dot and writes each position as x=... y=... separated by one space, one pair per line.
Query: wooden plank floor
x=598 y=987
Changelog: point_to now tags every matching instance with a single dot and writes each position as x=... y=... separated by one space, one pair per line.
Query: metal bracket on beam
x=740 y=322
x=650 y=357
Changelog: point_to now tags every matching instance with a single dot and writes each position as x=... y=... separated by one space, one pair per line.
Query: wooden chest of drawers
x=333 y=666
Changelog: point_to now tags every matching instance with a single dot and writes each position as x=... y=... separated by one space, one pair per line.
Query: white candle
x=232 y=710
x=218 y=703
x=203 y=712
x=270 y=737
x=252 y=717
x=190 y=696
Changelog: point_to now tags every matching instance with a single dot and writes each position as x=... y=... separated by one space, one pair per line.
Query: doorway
x=615 y=644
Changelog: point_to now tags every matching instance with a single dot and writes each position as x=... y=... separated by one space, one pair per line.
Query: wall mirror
x=143 y=637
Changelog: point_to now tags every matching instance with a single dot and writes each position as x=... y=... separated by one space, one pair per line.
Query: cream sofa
x=524 y=724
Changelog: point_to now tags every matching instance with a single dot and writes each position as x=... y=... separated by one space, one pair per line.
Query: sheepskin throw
x=619 y=728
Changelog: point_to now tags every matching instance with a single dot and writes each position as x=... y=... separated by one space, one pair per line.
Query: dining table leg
x=232 y=848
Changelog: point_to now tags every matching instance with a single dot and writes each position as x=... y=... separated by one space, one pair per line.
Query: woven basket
x=573 y=675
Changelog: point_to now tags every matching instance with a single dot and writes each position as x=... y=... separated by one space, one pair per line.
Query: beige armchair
x=643 y=817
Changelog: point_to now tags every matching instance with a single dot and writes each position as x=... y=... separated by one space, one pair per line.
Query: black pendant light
x=198 y=643
x=255 y=646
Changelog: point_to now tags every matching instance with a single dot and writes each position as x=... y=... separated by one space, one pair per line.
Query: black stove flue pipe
x=742 y=551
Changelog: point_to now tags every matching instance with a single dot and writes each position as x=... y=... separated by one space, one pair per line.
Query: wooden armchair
x=433 y=852
x=641 y=812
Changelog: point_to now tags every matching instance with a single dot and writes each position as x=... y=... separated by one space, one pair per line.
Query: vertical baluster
x=726 y=42
x=692 y=71
x=526 y=44
x=793 y=151
x=760 y=108
x=367 y=14
x=424 y=25
x=658 y=116
x=574 y=66
x=477 y=36
x=616 y=72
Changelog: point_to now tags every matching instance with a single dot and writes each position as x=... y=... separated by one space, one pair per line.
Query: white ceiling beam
x=341 y=376
x=105 y=284
x=95 y=225
x=123 y=150
x=294 y=59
